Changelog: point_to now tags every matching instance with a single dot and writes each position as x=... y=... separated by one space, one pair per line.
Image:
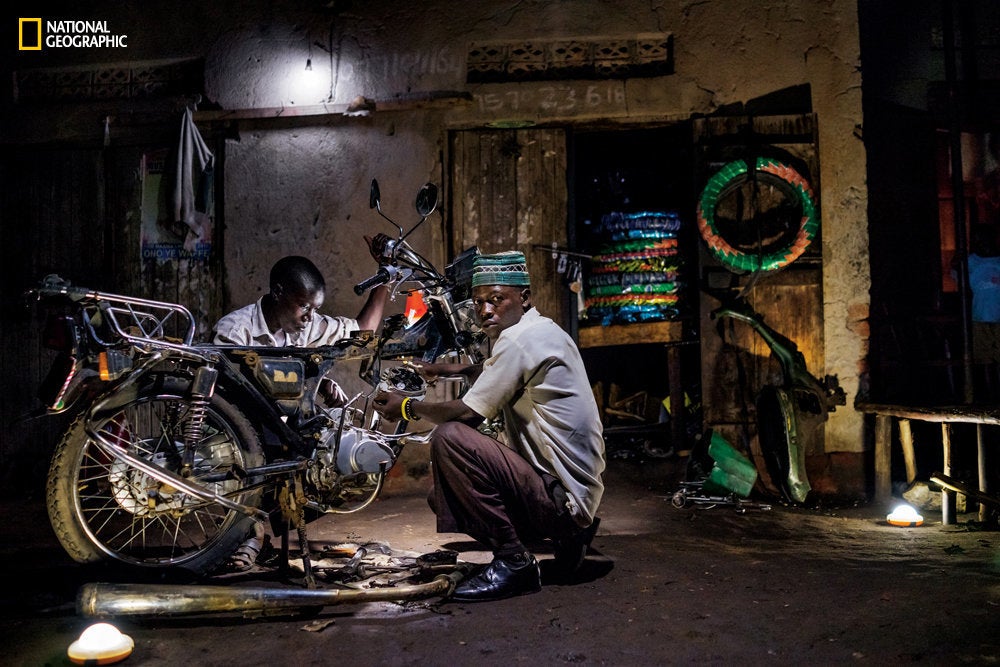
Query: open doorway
x=633 y=220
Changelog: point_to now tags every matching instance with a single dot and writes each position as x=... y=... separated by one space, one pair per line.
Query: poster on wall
x=164 y=237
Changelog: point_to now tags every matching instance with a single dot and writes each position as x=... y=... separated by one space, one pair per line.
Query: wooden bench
x=946 y=416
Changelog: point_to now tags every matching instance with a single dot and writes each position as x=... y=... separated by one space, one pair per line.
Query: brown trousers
x=491 y=493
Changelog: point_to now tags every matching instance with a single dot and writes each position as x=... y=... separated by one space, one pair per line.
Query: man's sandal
x=245 y=556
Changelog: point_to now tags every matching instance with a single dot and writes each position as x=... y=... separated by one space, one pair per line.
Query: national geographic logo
x=34 y=34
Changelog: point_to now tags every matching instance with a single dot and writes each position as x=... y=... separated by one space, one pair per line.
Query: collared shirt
x=536 y=377
x=247 y=326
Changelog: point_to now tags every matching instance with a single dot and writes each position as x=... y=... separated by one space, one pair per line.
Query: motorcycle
x=448 y=327
x=789 y=414
x=177 y=448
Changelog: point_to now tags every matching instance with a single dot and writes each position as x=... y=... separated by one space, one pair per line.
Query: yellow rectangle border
x=20 y=35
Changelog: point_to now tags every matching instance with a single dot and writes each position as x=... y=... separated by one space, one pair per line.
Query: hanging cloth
x=193 y=185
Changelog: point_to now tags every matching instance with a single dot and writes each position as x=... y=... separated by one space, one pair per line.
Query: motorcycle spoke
x=104 y=515
x=115 y=539
x=133 y=515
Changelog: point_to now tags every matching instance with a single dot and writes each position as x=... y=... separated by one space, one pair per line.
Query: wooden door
x=736 y=362
x=508 y=192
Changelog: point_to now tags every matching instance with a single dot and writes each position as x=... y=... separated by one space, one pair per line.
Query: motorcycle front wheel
x=104 y=510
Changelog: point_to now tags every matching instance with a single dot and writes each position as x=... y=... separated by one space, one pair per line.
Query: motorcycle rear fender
x=67 y=381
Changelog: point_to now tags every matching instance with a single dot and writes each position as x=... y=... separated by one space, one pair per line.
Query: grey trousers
x=491 y=493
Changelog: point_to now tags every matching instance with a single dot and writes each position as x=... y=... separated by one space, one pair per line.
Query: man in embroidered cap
x=545 y=482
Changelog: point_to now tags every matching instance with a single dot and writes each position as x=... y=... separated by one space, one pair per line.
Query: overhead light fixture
x=309 y=64
x=904 y=516
x=100 y=644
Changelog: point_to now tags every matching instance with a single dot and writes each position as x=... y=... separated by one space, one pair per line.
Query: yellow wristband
x=405 y=410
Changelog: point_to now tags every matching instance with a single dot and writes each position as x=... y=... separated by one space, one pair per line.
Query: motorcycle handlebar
x=384 y=275
x=49 y=291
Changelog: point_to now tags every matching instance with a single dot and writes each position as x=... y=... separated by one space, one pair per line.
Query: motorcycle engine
x=360 y=450
x=363 y=451
x=350 y=471
x=465 y=311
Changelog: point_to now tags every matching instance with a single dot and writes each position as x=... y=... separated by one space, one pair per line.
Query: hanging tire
x=758 y=249
x=104 y=510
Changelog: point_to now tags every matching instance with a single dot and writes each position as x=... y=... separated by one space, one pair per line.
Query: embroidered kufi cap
x=504 y=268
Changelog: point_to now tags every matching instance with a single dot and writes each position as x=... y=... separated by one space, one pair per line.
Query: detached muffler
x=105 y=600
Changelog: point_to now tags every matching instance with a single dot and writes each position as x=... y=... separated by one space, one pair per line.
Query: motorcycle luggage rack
x=148 y=325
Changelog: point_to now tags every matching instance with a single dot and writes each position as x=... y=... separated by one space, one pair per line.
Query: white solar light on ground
x=100 y=644
x=905 y=516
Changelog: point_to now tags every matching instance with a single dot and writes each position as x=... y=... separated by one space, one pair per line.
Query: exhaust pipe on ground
x=104 y=600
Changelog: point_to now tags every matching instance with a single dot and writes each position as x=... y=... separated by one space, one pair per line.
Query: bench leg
x=984 y=512
x=909 y=458
x=947 y=495
x=883 y=458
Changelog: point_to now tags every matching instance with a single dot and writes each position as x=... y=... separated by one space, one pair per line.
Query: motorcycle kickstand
x=300 y=527
x=304 y=546
x=295 y=511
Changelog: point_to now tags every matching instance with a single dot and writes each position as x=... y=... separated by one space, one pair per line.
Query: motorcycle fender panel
x=798 y=483
x=281 y=378
x=776 y=404
x=56 y=385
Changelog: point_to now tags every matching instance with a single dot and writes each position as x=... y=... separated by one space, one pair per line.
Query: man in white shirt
x=287 y=316
x=544 y=482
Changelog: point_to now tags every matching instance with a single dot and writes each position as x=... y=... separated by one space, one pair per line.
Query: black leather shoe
x=500 y=579
x=571 y=551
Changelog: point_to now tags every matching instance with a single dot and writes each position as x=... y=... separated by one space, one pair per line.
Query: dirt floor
x=662 y=585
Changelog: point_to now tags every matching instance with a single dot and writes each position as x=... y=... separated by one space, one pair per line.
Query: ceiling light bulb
x=309 y=64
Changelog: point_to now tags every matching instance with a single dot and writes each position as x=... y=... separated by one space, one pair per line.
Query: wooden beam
x=949 y=413
x=947 y=495
x=360 y=106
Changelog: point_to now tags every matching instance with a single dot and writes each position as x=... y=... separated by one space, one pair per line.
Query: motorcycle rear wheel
x=104 y=510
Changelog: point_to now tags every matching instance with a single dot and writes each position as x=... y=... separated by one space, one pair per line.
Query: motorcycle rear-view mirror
x=427 y=199
x=374 y=195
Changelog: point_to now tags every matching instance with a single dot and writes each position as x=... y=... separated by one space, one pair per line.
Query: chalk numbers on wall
x=555 y=99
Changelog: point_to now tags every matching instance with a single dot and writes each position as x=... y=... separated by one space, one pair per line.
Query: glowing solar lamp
x=100 y=644
x=904 y=516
